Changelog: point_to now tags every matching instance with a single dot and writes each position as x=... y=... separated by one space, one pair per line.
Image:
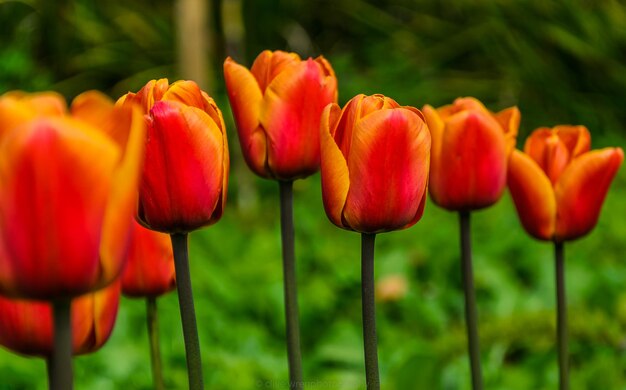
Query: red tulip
x=471 y=147
x=185 y=176
x=68 y=196
x=27 y=326
x=375 y=159
x=277 y=106
x=150 y=267
x=558 y=184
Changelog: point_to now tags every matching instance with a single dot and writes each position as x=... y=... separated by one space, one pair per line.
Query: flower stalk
x=60 y=367
x=153 y=336
x=561 y=317
x=370 y=341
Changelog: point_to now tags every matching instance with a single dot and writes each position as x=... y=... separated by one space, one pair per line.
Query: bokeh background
x=560 y=61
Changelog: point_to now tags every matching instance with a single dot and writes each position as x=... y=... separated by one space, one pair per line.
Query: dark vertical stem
x=290 y=285
x=370 y=341
x=61 y=377
x=187 y=311
x=561 y=317
x=153 y=336
x=470 y=301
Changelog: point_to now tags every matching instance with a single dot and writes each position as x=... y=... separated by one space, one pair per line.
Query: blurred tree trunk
x=193 y=39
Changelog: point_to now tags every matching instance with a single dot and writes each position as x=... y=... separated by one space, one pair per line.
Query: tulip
x=375 y=157
x=184 y=181
x=277 y=106
x=471 y=147
x=65 y=217
x=27 y=326
x=558 y=186
x=149 y=273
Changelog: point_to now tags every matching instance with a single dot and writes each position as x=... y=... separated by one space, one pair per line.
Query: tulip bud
x=374 y=164
x=185 y=175
x=150 y=267
x=277 y=106
x=558 y=184
x=27 y=326
x=471 y=147
x=68 y=196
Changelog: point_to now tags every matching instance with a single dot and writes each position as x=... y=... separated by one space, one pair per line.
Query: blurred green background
x=559 y=61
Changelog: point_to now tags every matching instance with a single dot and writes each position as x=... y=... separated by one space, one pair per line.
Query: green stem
x=561 y=319
x=61 y=376
x=370 y=341
x=470 y=301
x=187 y=311
x=290 y=285
x=155 y=350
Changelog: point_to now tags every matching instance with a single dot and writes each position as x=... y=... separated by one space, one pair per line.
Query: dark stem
x=153 y=336
x=368 y=302
x=470 y=301
x=290 y=285
x=561 y=317
x=187 y=311
x=61 y=361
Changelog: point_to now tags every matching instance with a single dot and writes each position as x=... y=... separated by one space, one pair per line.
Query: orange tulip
x=185 y=176
x=471 y=147
x=150 y=267
x=277 y=106
x=375 y=157
x=558 y=184
x=68 y=195
x=27 y=326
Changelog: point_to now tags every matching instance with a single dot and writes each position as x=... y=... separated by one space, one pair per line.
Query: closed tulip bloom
x=185 y=175
x=470 y=151
x=558 y=184
x=27 y=326
x=277 y=106
x=149 y=270
x=68 y=197
x=375 y=159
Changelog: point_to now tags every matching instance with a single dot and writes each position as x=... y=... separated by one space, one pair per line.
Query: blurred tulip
x=391 y=288
x=68 y=196
x=558 y=184
x=277 y=106
x=185 y=176
x=26 y=326
x=150 y=267
x=471 y=147
x=375 y=159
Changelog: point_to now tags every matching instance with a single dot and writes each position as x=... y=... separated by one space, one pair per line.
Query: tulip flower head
x=27 y=326
x=277 y=106
x=558 y=184
x=374 y=163
x=470 y=151
x=150 y=267
x=185 y=175
x=69 y=183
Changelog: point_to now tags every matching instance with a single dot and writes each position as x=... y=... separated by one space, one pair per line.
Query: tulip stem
x=155 y=350
x=561 y=318
x=290 y=285
x=470 y=301
x=370 y=341
x=187 y=311
x=61 y=362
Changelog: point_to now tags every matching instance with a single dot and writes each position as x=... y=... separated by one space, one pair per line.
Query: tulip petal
x=245 y=99
x=581 y=190
x=577 y=139
x=179 y=191
x=186 y=92
x=290 y=115
x=53 y=189
x=509 y=119
x=436 y=127
x=270 y=64
x=388 y=166
x=335 y=176
x=533 y=196
x=472 y=174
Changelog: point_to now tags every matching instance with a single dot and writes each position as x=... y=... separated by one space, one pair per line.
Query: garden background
x=559 y=61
